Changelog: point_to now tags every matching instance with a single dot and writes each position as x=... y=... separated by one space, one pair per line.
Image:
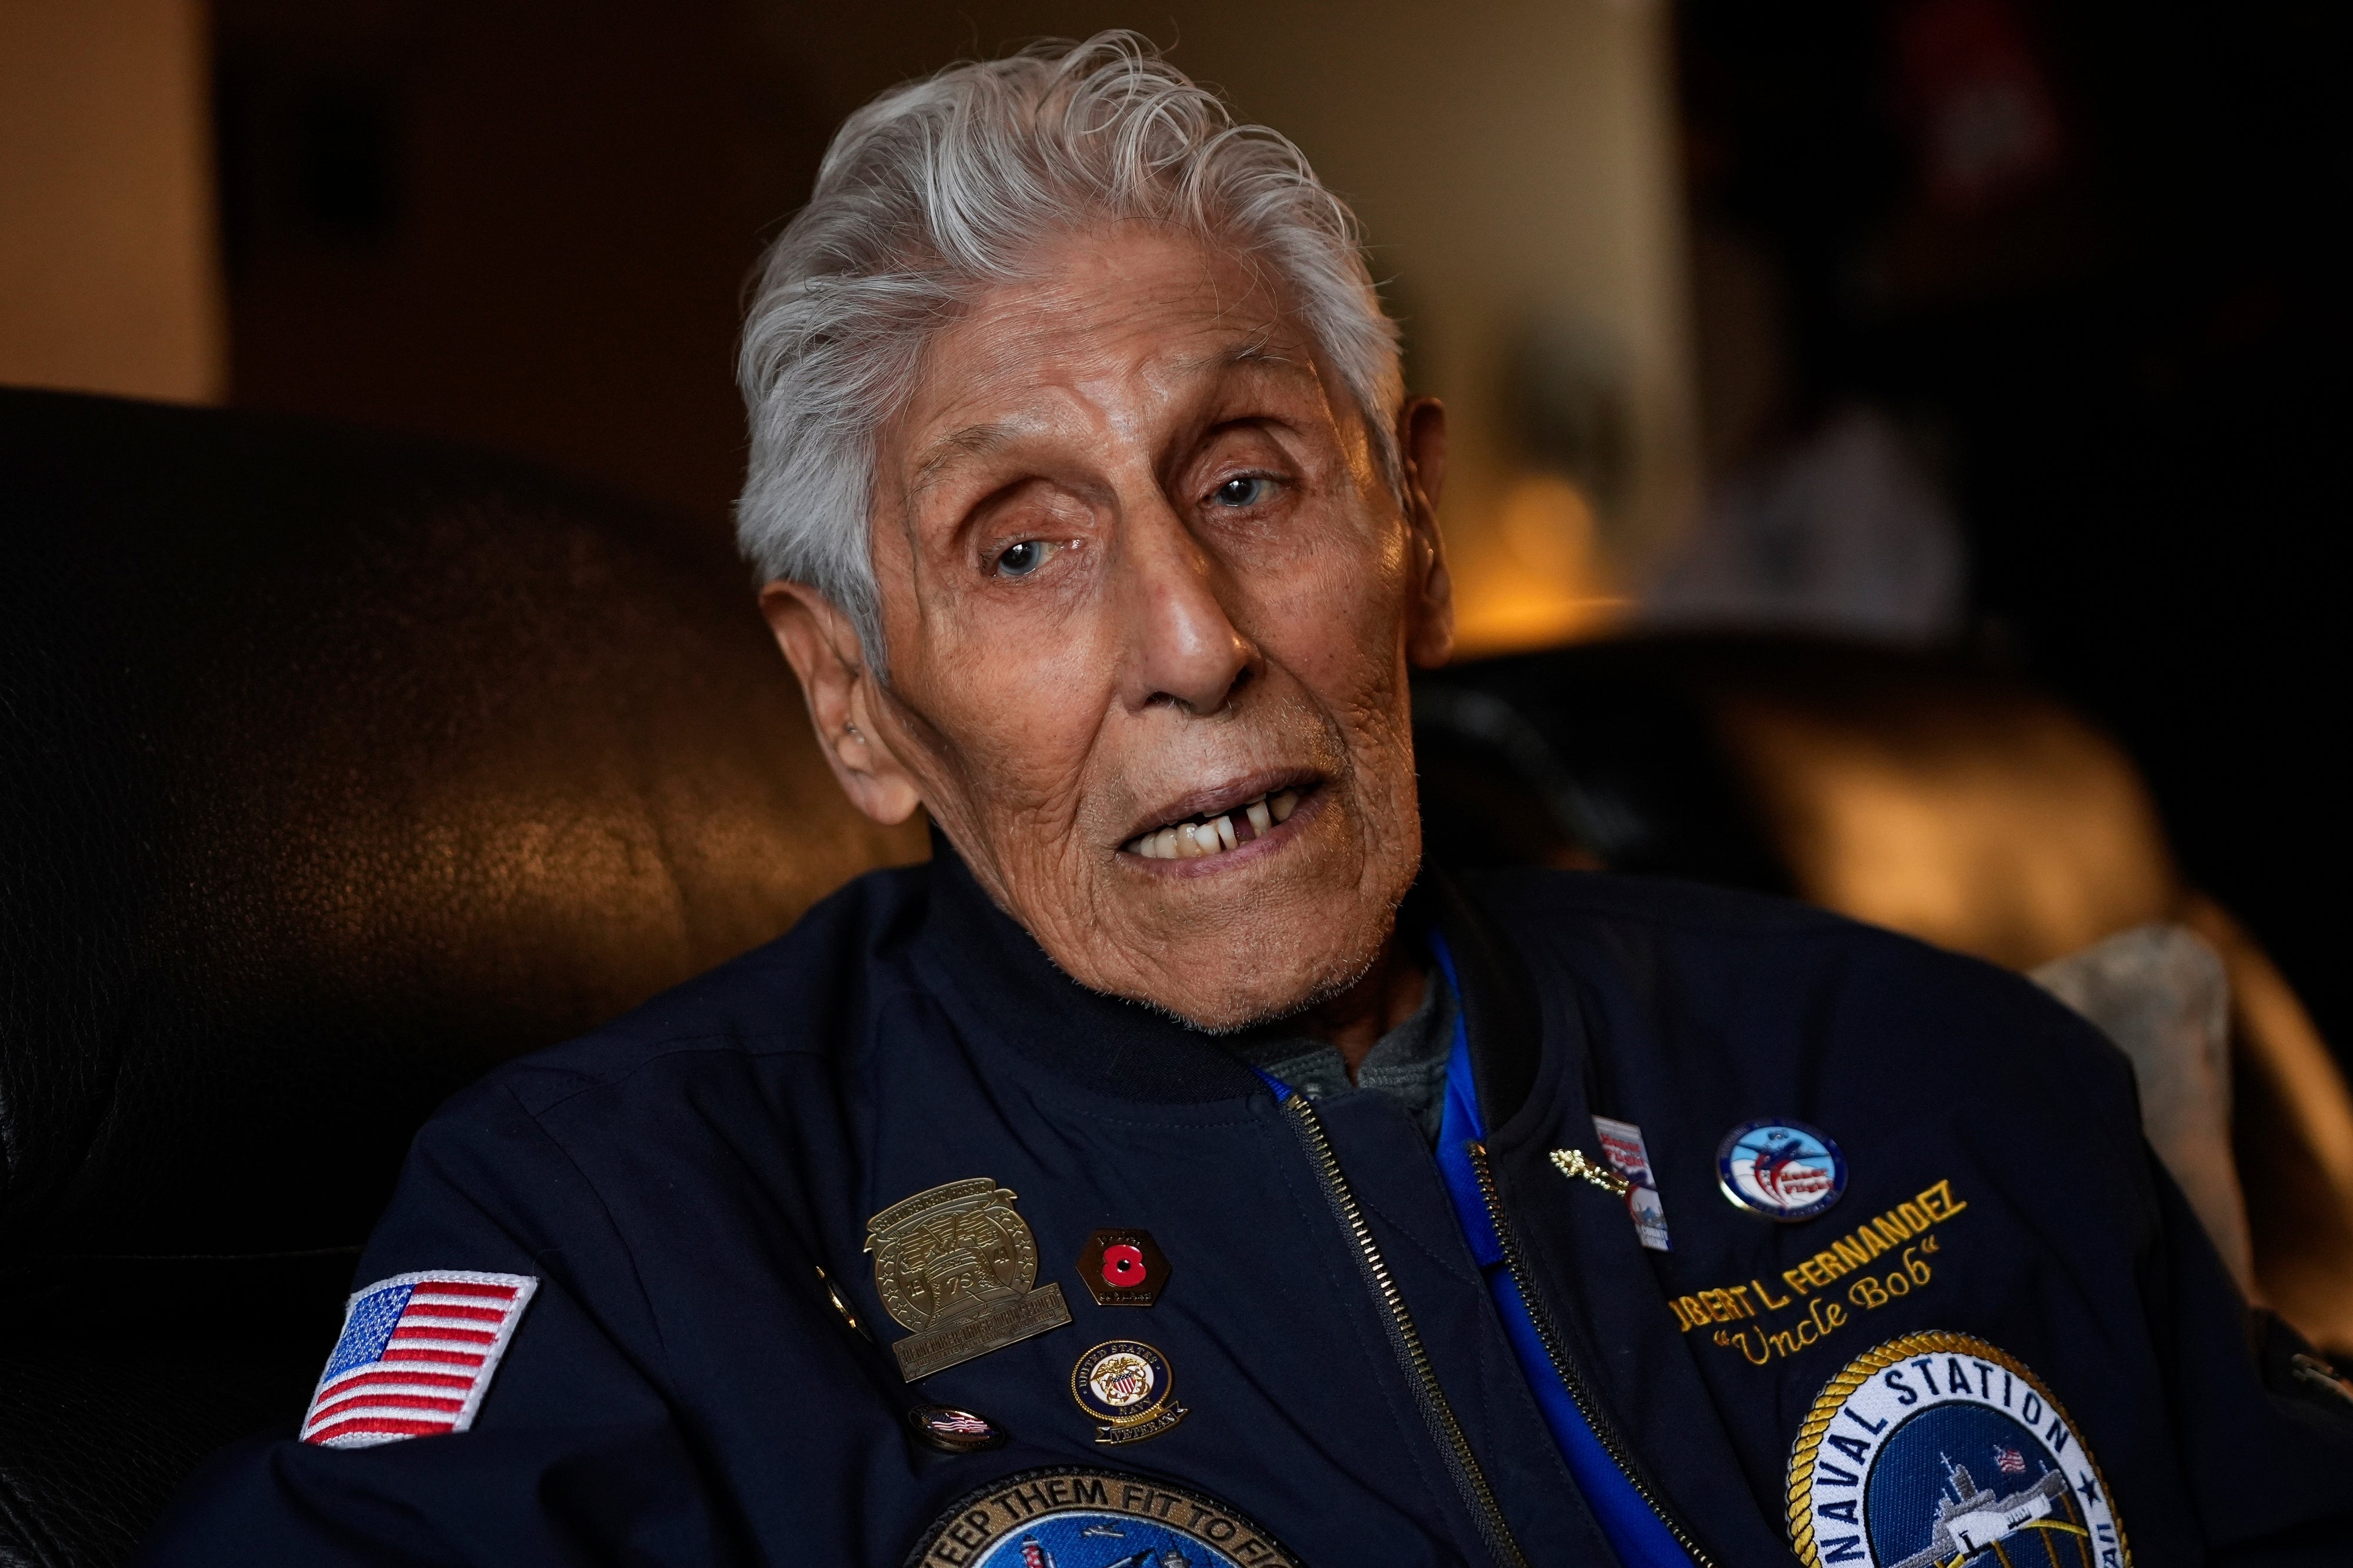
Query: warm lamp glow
x=1548 y=524
x=2017 y=838
x=1540 y=581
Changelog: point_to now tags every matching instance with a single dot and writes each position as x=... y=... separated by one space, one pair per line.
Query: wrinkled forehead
x=1126 y=322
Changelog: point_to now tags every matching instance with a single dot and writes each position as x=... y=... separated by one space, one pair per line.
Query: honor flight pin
x=1122 y=1269
x=956 y=1264
x=1782 y=1170
x=1126 y=1385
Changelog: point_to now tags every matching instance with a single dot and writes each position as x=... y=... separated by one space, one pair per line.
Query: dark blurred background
x=2085 y=250
x=2009 y=326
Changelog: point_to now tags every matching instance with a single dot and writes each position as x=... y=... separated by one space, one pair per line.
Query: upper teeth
x=1191 y=840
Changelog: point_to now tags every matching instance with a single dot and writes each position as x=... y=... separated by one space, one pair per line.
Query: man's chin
x=1240 y=978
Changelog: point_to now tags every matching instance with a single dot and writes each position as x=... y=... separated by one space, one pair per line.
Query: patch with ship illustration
x=1940 y=1449
x=1076 y=1517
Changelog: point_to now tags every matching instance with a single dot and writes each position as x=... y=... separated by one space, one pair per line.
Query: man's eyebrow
x=1257 y=349
x=971 y=441
x=979 y=440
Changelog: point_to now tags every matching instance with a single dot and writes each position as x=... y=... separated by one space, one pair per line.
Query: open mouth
x=1206 y=833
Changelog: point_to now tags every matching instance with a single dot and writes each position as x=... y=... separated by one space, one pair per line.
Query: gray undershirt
x=1407 y=1064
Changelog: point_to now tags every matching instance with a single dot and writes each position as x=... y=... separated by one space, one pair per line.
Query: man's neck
x=1352 y=1022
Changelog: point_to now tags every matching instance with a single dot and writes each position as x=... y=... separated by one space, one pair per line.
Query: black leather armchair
x=333 y=769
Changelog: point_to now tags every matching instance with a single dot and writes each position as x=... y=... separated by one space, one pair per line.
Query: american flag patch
x=417 y=1352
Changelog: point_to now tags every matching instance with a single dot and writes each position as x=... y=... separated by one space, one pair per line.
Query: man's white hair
x=941 y=187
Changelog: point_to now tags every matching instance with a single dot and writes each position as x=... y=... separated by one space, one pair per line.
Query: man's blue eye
x=1021 y=560
x=1243 y=489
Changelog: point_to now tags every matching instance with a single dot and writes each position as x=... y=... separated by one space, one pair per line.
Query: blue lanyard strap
x=1639 y=1535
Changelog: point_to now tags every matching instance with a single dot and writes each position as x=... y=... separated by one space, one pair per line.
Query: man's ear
x=822 y=645
x=1421 y=447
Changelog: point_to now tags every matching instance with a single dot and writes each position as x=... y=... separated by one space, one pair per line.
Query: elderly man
x=1175 y=1170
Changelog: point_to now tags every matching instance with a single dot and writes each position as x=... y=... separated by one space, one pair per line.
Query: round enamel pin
x=1782 y=1170
x=1940 y=1449
x=1079 y=1518
x=1126 y=1385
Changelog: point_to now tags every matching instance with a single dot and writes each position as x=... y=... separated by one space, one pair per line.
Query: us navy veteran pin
x=1076 y=1518
x=1129 y=1387
x=1938 y=1447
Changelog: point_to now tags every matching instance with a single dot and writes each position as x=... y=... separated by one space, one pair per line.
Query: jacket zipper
x=1406 y=1341
x=1572 y=1376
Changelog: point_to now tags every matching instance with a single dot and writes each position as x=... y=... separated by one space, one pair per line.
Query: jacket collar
x=1500 y=1011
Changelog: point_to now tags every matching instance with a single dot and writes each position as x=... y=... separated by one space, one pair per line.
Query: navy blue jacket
x=679 y=1388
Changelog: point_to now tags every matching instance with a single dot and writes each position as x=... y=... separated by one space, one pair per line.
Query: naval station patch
x=1073 y=1517
x=1937 y=1449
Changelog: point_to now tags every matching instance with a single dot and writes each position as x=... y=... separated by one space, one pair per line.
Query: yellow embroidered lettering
x=1883 y=1235
x=1738 y=1340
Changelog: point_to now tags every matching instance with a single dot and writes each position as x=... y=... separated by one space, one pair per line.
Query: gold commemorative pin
x=957 y=1266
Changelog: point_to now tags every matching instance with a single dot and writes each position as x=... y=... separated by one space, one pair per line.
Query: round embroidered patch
x=1782 y=1170
x=1936 y=1447
x=1071 y=1517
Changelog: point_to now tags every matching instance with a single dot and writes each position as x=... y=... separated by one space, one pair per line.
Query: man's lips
x=1222 y=827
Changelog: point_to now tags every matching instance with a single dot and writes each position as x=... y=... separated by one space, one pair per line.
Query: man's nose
x=1182 y=645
